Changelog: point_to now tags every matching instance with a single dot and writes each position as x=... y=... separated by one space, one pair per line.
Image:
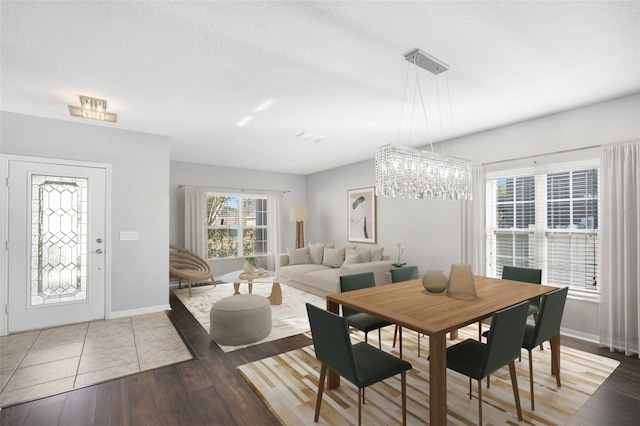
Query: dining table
x=409 y=305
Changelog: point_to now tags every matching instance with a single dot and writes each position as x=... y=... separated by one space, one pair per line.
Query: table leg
x=276 y=294
x=236 y=288
x=438 y=379
x=333 y=378
x=250 y=288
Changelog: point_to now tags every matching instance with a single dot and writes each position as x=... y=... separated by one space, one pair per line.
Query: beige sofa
x=317 y=268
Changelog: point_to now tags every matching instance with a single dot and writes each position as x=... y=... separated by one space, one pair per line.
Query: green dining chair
x=478 y=360
x=547 y=325
x=356 y=319
x=526 y=275
x=361 y=364
x=404 y=273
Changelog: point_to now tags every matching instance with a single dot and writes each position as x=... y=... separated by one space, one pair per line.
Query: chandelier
x=402 y=171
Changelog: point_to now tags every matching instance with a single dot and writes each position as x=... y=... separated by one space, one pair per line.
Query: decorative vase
x=435 y=281
x=461 y=283
x=248 y=268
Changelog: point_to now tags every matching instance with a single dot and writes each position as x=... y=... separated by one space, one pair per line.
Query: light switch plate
x=128 y=235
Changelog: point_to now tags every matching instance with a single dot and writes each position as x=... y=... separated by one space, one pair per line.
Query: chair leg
x=479 y=331
x=488 y=381
x=366 y=337
x=323 y=375
x=403 y=381
x=480 y=402
x=400 y=342
x=470 y=384
x=418 y=344
x=180 y=283
x=359 y=407
x=531 y=379
x=395 y=335
x=514 y=384
x=379 y=339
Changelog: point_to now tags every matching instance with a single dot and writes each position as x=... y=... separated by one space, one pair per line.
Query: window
x=236 y=225
x=548 y=220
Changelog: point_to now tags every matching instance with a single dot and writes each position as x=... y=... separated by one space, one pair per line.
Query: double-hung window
x=547 y=219
x=236 y=225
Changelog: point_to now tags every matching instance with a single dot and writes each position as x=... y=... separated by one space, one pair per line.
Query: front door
x=56 y=244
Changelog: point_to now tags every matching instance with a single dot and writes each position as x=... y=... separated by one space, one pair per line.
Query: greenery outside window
x=546 y=219
x=236 y=225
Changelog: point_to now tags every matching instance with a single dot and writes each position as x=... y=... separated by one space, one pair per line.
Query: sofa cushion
x=328 y=281
x=298 y=272
x=299 y=256
x=365 y=254
x=316 y=252
x=333 y=257
x=376 y=254
x=352 y=258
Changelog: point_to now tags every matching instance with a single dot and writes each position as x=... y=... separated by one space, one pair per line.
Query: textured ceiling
x=192 y=70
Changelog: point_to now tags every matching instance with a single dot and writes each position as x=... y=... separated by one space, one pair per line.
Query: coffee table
x=240 y=277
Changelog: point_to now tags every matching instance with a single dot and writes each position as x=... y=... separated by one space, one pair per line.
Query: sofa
x=317 y=268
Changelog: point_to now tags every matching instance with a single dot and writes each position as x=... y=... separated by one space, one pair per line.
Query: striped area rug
x=288 y=383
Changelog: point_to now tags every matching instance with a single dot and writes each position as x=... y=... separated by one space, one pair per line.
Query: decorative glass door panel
x=56 y=244
x=59 y=239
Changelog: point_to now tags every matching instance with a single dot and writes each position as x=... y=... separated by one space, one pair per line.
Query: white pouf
x=239 y=320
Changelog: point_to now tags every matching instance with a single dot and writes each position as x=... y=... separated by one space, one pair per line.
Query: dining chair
x=361 y=364
x=550 y=313
x=478 y=360
x=356 y=319
x=404 y=273
x=527 y=275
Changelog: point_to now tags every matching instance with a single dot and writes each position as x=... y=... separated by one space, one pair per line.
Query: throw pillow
x=365 y=254
x=352 y=258
x=376 y=254
x=298 y=256
x=316 y=253
x=333 y=257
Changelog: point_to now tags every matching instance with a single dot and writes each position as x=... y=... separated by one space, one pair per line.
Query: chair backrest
x=355 y=282
x=527 y=275
x=405 y=273
x=331 y=342
x=549 y=315
x=504 y=341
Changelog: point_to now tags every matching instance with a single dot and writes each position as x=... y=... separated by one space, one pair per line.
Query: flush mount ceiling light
x=94 y=109
x=402 y=171
x=310 y=136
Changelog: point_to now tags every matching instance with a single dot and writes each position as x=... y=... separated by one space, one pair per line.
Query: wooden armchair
x=186 y=264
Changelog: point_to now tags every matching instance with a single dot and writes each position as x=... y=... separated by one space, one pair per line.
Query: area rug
x=288 y=383
x=289 y=318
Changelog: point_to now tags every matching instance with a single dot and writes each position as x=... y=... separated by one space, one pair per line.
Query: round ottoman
x=239 y=320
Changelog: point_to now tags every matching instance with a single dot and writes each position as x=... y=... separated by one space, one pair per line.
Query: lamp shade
x=299 y=213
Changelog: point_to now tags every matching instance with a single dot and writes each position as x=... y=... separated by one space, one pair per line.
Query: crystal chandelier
x=402 y=171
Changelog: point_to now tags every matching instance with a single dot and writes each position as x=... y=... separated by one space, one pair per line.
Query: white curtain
x=620 y=248
x=474 y=225
x=195 y=207
x=275 y=207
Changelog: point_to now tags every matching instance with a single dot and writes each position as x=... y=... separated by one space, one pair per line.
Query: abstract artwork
x=361 y=213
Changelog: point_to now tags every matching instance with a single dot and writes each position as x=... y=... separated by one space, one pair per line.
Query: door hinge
x=6 y=309
x=7 y=182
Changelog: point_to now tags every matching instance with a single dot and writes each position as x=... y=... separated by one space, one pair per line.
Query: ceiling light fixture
x=94 y=109
x=402 y=171
x=310 y=136
x=244 y=121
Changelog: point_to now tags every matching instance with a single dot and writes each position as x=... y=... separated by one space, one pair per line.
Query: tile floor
x=40 y=363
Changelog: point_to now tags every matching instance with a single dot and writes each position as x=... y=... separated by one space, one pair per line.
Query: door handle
x=98 y=251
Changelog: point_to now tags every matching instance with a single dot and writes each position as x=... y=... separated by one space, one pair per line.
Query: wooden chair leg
x=479 y=331
x=400 y=342
x=531 y=380
x=323 y=375
x=418 y=345
x=379 y=339
x=488 y=381
x=514 y=384
x=480 y=402
x=403 y=381
x=395 y=334
x=470 y=391
x=359 y=407
x=535 y=318
x=180 y=283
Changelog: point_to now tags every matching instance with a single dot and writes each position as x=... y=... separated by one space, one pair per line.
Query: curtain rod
x=526 y=157
x=233 y=189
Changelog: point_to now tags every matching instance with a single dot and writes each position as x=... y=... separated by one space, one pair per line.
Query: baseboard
x=593 y=338
x=139 y=311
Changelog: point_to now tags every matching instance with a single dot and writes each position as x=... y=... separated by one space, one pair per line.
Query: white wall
x=140 y=197
x=227 y=177
x=430 y=230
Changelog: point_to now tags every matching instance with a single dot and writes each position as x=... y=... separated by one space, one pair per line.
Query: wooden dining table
x=409 y=305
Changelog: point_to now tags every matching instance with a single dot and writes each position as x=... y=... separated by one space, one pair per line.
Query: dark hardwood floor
x=209 y=391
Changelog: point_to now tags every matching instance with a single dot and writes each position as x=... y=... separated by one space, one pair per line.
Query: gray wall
x=430 y=230
x=140 y=197
x=227 y=177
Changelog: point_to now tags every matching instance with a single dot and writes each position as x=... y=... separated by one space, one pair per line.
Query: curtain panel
x=195 y=201
x=620 y=249
x=474 y=225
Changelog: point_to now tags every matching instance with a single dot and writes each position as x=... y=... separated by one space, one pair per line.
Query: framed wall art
x=361 y=215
